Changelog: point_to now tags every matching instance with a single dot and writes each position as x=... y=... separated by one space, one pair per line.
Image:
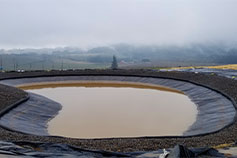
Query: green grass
x=26 y=62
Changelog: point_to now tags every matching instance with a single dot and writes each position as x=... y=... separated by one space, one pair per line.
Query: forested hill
x=101 y=57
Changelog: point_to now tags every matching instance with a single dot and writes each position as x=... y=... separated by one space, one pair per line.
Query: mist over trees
x=127 y=54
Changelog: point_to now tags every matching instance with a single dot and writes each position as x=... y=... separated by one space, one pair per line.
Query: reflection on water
x=100 y=110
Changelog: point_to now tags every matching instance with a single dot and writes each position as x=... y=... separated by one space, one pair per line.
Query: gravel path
x=9 y=95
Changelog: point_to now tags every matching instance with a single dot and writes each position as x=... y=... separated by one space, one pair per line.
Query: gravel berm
x=11 y=95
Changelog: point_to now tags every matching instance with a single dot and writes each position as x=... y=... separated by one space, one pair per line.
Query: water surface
x=102 y=110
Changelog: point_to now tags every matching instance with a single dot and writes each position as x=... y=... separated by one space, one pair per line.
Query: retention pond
x=116 y=109
x=117 y=106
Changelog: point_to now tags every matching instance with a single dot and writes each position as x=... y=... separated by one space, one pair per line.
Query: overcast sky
x=83 y=23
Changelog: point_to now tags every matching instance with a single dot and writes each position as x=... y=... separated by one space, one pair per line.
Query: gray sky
x=85 y=23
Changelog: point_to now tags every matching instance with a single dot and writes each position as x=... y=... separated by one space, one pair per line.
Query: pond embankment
x=224 y=85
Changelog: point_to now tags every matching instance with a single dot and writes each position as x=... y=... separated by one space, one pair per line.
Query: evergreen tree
x=114 y=64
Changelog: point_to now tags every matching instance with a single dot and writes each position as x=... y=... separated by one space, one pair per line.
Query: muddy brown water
x=106 y=109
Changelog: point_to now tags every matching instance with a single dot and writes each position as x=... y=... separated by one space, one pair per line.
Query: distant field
x=63 y=60
x=37 y=62
x=232 y=67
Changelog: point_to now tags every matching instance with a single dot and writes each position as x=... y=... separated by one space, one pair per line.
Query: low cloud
x=85 y=23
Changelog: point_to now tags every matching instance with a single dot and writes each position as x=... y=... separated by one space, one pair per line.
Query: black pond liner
x=50 y=150
x=42 y=150
x=215 y=109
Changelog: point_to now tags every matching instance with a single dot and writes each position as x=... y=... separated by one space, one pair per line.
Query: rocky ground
x=10 y=95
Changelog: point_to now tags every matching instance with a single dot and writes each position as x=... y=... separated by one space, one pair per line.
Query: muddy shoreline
x=227 y=135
